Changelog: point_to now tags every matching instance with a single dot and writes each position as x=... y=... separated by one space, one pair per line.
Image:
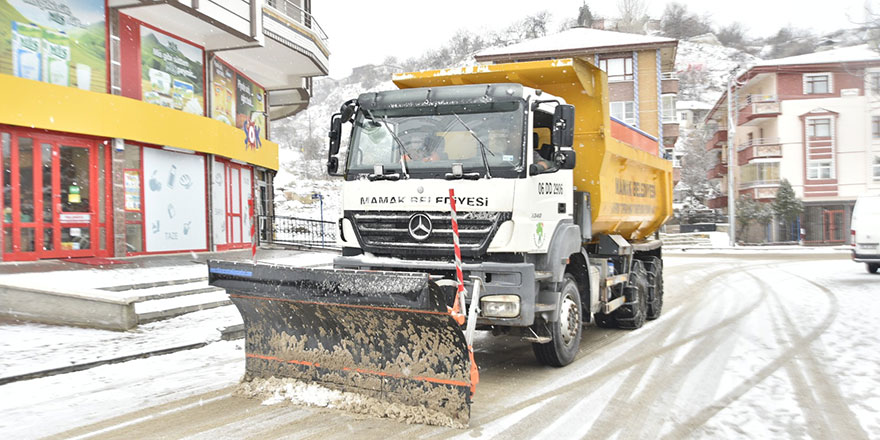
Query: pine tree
x=787 y=206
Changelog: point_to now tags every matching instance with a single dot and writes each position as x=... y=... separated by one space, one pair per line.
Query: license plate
x=868 y=246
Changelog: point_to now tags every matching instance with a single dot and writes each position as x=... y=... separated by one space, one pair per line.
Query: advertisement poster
x=236 y=99
x=222 y=93
x=172 y=72
x=132 y=190
x=59 y=42
x=175 y=216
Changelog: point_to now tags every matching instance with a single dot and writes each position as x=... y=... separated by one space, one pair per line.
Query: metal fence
x=297 y=231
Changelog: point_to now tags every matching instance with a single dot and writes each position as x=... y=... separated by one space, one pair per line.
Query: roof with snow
x=574 y=41
x=842 y=55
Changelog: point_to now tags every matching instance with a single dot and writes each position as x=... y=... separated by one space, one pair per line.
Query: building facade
x=813 y=120
x=642 y=84
x=135 y=127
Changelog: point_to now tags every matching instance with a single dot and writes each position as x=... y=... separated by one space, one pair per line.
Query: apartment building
x=135 y=127
x=811 y=119
x=642 y=85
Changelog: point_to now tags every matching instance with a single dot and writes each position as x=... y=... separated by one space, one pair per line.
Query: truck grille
x=387 y=232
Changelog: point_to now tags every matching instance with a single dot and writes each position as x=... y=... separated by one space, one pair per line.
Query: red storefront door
x=51 y=209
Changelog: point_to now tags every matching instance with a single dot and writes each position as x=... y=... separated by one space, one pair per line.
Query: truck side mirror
x=563 y=126
x=332 y=166
x=335 y=133
x=335 y=139
x=566 y=159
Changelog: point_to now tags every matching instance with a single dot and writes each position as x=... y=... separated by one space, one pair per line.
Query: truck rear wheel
x=565 y=333
x=654 y=268
x=633 y=313
x=872 y=267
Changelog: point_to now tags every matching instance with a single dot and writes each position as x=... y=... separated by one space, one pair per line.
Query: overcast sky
x=364 y=32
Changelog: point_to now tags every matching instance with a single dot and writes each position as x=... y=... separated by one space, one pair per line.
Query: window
x=819 y=127
x=624 y=111
x=876 y=168
x=817 y=83
x=759 y=173
x=819 y=169
x=668 y=102
x=875 y=127
x=618 y=69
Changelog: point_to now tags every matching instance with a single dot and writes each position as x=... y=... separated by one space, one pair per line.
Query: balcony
x=763 y=190
x=719 y=202
x=758 y=107
x=717 y=172
x=759 y=148
x=670 y=131
x=668 y=83
x=719 y=138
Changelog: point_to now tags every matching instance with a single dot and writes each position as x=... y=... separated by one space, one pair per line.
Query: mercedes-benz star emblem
x=420 y=227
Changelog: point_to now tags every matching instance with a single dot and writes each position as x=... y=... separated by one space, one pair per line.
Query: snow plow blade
x=385 y=335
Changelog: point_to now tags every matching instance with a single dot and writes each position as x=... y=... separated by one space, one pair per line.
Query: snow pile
x=274 y=391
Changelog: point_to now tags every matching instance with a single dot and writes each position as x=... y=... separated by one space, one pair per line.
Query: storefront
x=169 y=166
x=55 y=195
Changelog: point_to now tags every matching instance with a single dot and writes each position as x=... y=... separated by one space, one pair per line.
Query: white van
x=866 y=231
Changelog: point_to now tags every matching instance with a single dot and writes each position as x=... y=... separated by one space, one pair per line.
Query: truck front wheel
x=565 y=333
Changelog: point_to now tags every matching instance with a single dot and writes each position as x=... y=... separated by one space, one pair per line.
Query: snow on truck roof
x=578 y=38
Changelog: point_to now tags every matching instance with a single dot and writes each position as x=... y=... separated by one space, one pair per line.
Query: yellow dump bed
x=630 y=189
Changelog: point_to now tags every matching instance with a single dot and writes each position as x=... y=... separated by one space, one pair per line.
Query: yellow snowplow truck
x=556 y=204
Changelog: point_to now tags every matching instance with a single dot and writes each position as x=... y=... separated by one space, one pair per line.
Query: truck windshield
x=435 y=137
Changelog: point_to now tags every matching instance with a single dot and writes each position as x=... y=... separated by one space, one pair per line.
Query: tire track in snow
x=637 y=354
x=799 y=345
x=813 y=389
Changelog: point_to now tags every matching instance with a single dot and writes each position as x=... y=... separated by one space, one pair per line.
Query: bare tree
x=733 y=35
x=678 y=22
x=585 y=16
x=789 y=42
x=695 y=166
x=633 y=16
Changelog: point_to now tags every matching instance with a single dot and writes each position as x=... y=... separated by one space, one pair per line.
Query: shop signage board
x=64 y=45
x=74 y=218
x=174 y=201
x=235 y=99
x=172 y=72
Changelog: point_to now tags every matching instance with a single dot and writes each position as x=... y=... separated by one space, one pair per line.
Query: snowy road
x=749 y=346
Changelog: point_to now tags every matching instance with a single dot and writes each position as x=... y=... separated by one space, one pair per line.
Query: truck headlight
x=500 y=306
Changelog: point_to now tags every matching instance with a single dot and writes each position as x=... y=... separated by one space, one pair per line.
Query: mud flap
x=387 y=335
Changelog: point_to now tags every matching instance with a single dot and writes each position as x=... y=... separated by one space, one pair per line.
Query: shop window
x=876 y=168
x=6 y=140
x=174 y=205
x=7 y=240
x=25 y=180
x=875 y=127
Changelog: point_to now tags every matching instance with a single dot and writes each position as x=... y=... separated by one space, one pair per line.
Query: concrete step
x=164 y=308
x=172 y=290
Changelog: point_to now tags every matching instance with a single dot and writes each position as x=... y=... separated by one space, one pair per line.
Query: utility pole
x=731 y=146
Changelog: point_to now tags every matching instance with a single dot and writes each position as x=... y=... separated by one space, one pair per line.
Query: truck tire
x=565 y=333
x=604 y=321
x=872 y=267
x=654 y=269
x=633 y=313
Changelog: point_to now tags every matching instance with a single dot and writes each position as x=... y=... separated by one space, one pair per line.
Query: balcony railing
x=668 y=75
x=758 y=106
x=758 y=148
x=668 y=83
x=717 y=172
x=298 y=15
x=718 y=138
x=759 y=183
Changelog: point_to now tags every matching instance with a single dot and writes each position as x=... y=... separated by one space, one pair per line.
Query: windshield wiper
x=483 y=147
x=403 y=152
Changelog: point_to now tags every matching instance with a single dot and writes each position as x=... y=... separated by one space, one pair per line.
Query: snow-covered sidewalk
x=28 y=348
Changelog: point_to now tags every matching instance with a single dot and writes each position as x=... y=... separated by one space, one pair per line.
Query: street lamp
x=320 y=198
